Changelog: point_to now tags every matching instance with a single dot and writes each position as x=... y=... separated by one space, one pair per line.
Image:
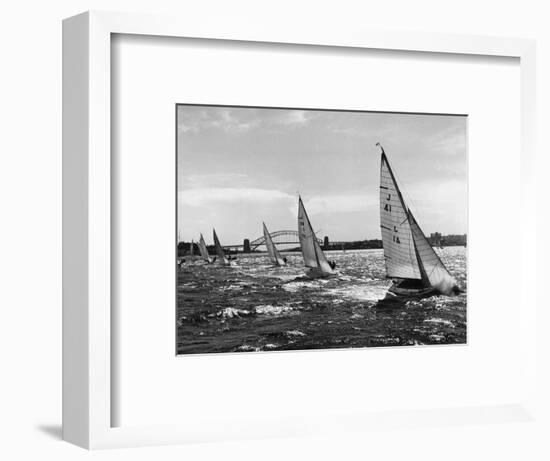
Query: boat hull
x=396 y=290
x=399 y=289
x=316 y=273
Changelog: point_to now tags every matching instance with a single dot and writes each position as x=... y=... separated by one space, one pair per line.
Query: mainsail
x=191 y=248
x=274 y=254
x=399 y=252
x=222 y=260
x=407 y=252
x=311 y=250
x=203 y=250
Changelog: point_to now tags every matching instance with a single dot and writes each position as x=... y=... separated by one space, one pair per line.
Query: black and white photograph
x=275 y=231
x=314 y=229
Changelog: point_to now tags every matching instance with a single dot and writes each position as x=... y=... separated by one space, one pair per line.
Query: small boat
x=221 y=260
x=411 y=262
x=180 y=263
x=274 y=254
x=204 y=251
x=314 y=258
x=192 y=249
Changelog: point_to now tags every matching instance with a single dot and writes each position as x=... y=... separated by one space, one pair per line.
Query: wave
x=361 y=292
x=437 y=320
x=231 y=312
x=269 y=309
x=294 y=333
x=247 y=348
x=297 y=285
x=436 y=338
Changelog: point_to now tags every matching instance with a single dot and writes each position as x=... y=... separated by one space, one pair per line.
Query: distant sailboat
x=222 y=259
x=192 y=249
x=410 y=259
x=204 y=251
x=314 y=257
x=274 y=254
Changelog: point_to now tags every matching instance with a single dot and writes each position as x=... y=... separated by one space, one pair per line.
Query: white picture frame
x=87 y=363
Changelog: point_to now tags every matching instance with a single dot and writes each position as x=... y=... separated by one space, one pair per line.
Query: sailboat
x=314 y=258
x=274 y=254
x=204 y=251
x=222 y=259
x=192 y=249
x=411 y=262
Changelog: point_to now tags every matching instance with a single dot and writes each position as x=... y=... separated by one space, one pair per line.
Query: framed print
x=289 y=289
x=274 y=220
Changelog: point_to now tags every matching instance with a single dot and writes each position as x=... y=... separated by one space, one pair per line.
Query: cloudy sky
x=238 y=167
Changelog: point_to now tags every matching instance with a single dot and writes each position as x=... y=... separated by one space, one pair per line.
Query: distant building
x=435 y=239
x=438 y=240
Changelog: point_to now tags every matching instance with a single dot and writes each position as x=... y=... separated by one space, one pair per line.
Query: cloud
x=294 y=117
x=207 y=180
x=196 y=119
x=451 y=141
x=340 y=203
x=232 y=120
x=203 y=196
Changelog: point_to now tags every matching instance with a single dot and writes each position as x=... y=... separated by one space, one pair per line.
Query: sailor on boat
x=411 y=262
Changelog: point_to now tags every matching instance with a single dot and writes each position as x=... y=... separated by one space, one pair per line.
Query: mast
x=385 y=159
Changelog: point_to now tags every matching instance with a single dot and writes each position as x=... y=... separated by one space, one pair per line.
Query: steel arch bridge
x=281 y=237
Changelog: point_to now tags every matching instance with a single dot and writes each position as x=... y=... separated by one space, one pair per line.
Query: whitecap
x=294 y=333
x=293 y=287
x=436 y=338
x=230 y=312
x=361 y=292
x=233 y=287
x=439 y=321
x=247 y=348
x=268 y=309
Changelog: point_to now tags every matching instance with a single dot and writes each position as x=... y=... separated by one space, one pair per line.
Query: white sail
x=399 y=251
x=274 y=254
x=192 y=248
x=222 y=260
x=203 y=250
x=311 y=250
x=434 y=270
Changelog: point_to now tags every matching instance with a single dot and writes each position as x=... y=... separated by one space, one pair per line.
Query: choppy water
x=256 y=307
